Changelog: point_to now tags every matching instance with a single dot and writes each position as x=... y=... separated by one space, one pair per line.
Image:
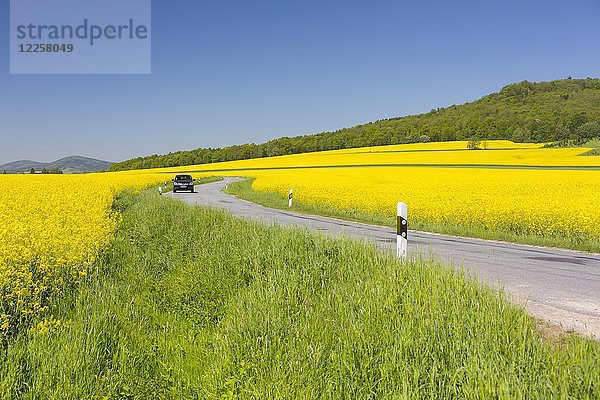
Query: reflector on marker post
x=402 y=231
x=290 y=198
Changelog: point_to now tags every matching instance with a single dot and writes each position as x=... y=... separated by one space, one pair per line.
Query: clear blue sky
x=227 y=72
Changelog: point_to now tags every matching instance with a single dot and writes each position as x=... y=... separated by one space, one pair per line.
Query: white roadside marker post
x=402 y=231
x=226 y=185
x=160 y=190
x=290 y=197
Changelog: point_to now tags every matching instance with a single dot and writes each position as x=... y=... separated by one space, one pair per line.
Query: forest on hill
x=563 y=110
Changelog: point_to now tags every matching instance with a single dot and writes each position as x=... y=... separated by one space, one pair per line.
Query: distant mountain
x=72 y=164
x=566 y=111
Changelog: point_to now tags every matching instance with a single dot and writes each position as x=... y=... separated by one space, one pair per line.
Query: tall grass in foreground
x=193 y=303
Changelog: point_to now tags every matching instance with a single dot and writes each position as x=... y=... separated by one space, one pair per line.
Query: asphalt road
x=559 y=286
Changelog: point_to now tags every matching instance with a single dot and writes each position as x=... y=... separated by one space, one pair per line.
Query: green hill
x=71 y=164
x=563 y=110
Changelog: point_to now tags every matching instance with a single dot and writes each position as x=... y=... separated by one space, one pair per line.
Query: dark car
x=183 y=182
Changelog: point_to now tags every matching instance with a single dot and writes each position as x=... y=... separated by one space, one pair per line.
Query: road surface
x=559 y=286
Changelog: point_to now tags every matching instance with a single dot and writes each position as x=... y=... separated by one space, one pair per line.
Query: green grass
x=595 y=143
x=194 y=303
x=243 y=190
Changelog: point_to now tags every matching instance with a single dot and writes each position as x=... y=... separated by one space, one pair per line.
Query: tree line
x=564 y=111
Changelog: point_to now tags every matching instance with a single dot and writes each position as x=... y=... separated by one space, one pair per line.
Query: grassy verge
x=595 y=143
x=243 y=190
x=193 y=303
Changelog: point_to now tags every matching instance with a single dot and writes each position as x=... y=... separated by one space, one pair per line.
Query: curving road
x=559 y=286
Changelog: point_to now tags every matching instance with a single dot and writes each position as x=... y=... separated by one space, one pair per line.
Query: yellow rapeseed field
x=548 y=203
x=441 y=185
x=53 y=227
x=500 y=152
